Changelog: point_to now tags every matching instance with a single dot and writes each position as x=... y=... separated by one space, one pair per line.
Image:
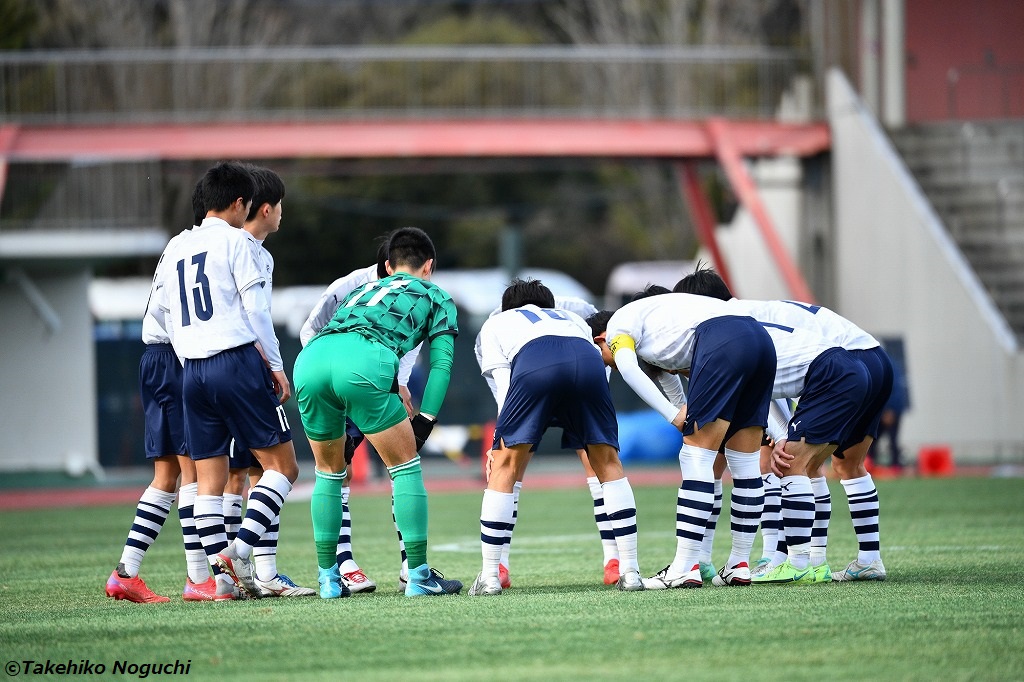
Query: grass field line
x=472 y=545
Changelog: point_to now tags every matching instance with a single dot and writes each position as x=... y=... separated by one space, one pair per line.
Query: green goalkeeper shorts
x=346 y=375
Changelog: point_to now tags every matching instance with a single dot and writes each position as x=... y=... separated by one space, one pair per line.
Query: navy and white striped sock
x=822 y=516
x=693 y=506
x=864 y=509
x=496 y=512
x=195 y=557
x=150 y=514
x=604 y=526
x=771 y=516
x=232 y=514
x=621 y=506
x=265 y=501
x=506 y=548
x=208 y=513
x=746 y=503
x=798 y=518
x=709 y=532
x=346 y=562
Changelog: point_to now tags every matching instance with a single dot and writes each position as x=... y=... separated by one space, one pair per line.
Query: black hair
x=520 y=292
x=382 y=256
x=598 y=322
x=704 y=281
x=198 y=205
x=269 y=189
x=225 y=183
x=651 y=290
x=410 y=247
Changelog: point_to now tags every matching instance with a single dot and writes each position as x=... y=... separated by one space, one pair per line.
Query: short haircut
x=198 y=205
x=410 y=247
x=225 y=183
x=651 y=290
x=598 y=322
x=704 y=282
x=520 y=292
x=269 y=189
x=382 y=257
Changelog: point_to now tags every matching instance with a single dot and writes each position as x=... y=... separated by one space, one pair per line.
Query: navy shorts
x=241 y=457
x=731 y=375
x=231 y=395
x=880 y=375
x=558 y=380
x=835 y=393
x=160 y=376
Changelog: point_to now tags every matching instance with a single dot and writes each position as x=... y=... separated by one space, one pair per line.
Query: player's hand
x=680 y=419
x=282 y=387
x=421 y=428
x=487 y=466
x=781 y=459
x=406 y=395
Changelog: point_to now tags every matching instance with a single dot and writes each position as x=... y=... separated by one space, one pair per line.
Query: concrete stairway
x=973 y=174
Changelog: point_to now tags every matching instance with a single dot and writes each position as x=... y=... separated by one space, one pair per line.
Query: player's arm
x=257 y=310
x=442 y=351
x=321 y=314
x=405 y=366
x=624 y=354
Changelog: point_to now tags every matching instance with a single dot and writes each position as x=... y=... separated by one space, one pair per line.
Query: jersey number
x=812 y=309
x=393 y=285
x=534 y=318
x=200 y=291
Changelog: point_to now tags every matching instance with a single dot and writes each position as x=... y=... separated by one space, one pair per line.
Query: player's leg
x=150 y=513
x=497 y=512
x=200 y=583
x=620 y=505
x=771 y=515
x=604 y=527
x=822 y=517
x=396 y=445
x=746 y=505
x=351 y=574
x=862 y=497
x=326 y=512
x=271 y=582
x=234 y=490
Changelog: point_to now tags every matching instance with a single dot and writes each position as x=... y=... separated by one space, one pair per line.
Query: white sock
x=693 y=506
x=797 y=518
x=506 y=548
x=496 y=512
x=232 y=514
x=621 y=506
x=604 y=526
x=208 y=512
x=822 y=515
x=195 y=557
x=771 y=516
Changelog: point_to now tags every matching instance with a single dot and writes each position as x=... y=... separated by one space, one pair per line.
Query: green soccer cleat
x=707 y=571
x=784 y=573
x=822 y=573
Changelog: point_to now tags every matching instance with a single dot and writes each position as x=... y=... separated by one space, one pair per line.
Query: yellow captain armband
x=621 y=341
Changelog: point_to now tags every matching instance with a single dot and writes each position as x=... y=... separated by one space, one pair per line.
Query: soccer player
x=350 y=369
x=609 y=547
x=160 y=392
x=731 y=364
x=849 y=455
x=232 y=387
x=544 y=367
x=264 y=219
x=330 y=300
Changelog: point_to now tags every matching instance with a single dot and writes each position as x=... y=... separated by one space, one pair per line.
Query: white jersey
x=201 y=286
x=265 y=262
x=504 y=335
x=795 y=350
x=834 y=327
x=662 y=327
x=154 y=328
x=330 y=301
x=573 y=304
x=332 y=297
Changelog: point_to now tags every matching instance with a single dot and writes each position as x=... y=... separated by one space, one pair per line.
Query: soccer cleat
x=204 y=591
x=331 y=585
x=429 y=582
x=131 y=589
x=764 y=564
x=707 y=571
x=738 y=575
x=358 y=582
x=283 y=586
x=485 y=587
x=630 y=582
x=503 y=577
x=611 y=572
x=240 y=570
x=784 y=573
x=858 y=571
x=822 y=573
x=662 y=581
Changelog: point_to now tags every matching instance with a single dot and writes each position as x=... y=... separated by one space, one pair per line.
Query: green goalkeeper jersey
x=398 y=312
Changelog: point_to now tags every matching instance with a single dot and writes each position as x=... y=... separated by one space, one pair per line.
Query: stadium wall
x=48 y=399
x=899 y=274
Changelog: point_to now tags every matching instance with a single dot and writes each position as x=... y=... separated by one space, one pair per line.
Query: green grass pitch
x=951 y=609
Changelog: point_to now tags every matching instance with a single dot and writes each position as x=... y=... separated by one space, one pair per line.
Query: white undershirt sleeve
x=502 y=377
x=629 y=368
x=257 y=309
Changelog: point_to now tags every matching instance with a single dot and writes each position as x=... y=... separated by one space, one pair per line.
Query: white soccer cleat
x=858 y=571
x=282 y=586
x=485 y=587
x=358 y=582
x=240 y=570
x=663 y=580
x=630 y=582
x=738 y=575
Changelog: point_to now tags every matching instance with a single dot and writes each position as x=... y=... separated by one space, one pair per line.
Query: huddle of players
x=546 y=366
